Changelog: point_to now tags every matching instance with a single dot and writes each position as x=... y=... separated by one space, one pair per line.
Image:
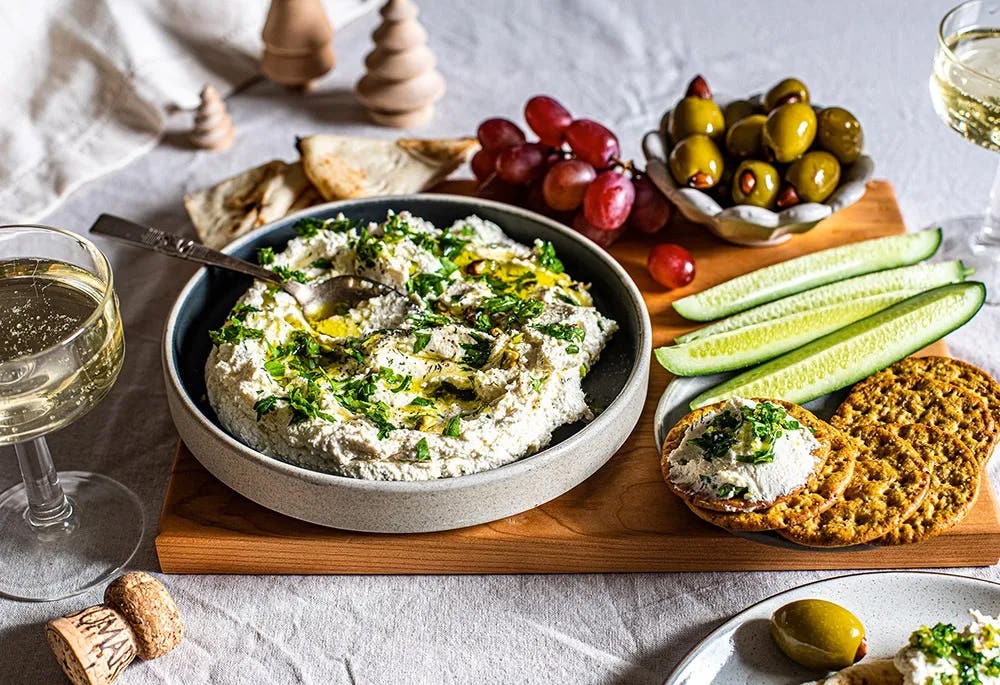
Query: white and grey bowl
x=616 y=384
x=745 y=224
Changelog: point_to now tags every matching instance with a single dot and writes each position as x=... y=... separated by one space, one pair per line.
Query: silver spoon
x=318 y=301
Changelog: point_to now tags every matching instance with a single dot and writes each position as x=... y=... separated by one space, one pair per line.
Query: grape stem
x=626 y=165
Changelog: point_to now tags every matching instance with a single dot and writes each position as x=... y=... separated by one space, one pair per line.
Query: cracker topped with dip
x=743 y=455
x=475 y=367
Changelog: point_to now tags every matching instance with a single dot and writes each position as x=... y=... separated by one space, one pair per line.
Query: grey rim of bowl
x=317 y=477
x=693 y=652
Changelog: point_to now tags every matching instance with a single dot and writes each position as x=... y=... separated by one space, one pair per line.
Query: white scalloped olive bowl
x=617 y=382
x=745 y=224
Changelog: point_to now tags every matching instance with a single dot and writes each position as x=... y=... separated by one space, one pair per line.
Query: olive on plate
x=819 y=634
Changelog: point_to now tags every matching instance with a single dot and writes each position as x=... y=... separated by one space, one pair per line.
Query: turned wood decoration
x=213 y=127
x=298 y=46
x=401 y=84
x=138 y=618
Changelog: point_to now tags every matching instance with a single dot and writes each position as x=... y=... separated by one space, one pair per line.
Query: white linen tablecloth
x=618 y=62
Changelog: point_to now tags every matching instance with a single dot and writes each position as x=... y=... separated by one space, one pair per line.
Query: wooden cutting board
x=622 y=519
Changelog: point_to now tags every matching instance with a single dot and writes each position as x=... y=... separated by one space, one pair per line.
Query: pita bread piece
x=344 y=168
x=249 y=200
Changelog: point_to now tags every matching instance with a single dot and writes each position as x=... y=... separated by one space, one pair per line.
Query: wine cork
x=138 y=618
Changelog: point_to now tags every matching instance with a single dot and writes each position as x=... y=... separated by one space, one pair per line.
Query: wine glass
x=965 y=89
x=61 y=348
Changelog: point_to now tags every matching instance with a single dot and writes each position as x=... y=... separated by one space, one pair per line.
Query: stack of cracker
x=901 y=460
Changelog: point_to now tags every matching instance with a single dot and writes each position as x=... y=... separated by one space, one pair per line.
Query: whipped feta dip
x=474 y=369
x=744 y=450
x=943 y=655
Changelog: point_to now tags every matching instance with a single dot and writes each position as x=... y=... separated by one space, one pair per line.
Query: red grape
x=484 y=165
x=651 y=210
x=670 y=265
x=566 y=183
x=548 y=119
x=592 y=142
x=608 y=200
x=522 y=163
x=496 y=134
x=601 y=237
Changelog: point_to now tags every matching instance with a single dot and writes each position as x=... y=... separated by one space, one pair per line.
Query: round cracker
x=956 y=372
x=889 y=483
x=819 y=494
x=887 y=398
x=954 y=484
x=700 y=499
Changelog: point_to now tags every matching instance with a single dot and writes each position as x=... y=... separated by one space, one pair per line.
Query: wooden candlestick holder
x=138 y=618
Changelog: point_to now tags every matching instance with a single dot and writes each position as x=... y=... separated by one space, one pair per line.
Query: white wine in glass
x=965 y=90
x=61 y=349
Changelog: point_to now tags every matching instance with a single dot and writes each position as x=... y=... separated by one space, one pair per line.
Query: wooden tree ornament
x=401 y=84
x=138 y=618
x=213 y=127
x=298 y=46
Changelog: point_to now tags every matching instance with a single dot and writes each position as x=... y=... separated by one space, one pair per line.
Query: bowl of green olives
x=758 y=170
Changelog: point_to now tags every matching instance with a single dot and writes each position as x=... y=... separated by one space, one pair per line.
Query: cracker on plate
x=819 y=494
x=890 y=481
x=913 y=399
x=954 y=484
x=704 y=501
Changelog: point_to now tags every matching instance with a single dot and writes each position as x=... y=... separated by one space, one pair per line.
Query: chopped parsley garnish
x=730 y=491
x=545 y=253
x=305 y=404
x=562 y=331
x=308 y=228
x=265 y=405
x=355 y=394
x=505 y=312
x=423 y=451
x=767 y=423
x=425 y=284
x=275 y=367
x=572 y=349
x=420 y=341
x=367 y=247
x=453 y=428
x=322 y=263
x=265 y=256
x=397 y=381
x=286 y=274
x=342 y=225
x=720 y=435
x=421 y=402
x=536 y=383
x=944 y=642
x=450 y=245
x=233 y=331
x=477 y=353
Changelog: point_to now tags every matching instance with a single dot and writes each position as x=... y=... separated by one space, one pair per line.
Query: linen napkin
x=87 y=84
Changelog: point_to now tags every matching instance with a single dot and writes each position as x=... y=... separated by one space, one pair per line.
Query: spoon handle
x=175 y=246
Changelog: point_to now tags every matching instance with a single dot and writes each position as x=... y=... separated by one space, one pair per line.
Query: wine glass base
x=964 y=239
x=64 y=560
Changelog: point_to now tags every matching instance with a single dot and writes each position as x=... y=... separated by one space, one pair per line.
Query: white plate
x=891 y=605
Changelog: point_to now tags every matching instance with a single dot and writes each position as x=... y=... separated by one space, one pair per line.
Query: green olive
x=819 y=634
x=838 y=131
x=785 y=92
x=789 y=131
x=736 y=110
x=696 y=115
x=696 y=162
x=756 y=183
x=814 y=176
x=743 y=139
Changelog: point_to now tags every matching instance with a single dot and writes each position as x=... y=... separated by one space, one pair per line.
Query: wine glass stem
x=991 y=226
x=47 y=503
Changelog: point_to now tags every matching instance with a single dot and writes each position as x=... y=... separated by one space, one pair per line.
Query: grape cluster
x=572 y=174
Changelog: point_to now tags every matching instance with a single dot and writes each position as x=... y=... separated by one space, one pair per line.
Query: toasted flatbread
x=699 y=499
x=249 y=200
x=877 y=672
x=343 y=167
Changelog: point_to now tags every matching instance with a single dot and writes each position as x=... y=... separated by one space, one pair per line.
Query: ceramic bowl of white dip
x=616 y=384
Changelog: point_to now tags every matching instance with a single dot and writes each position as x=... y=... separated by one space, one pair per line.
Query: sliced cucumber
x=856 y=351
x=757 y=343
x=808 y=271
x=906 y=280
